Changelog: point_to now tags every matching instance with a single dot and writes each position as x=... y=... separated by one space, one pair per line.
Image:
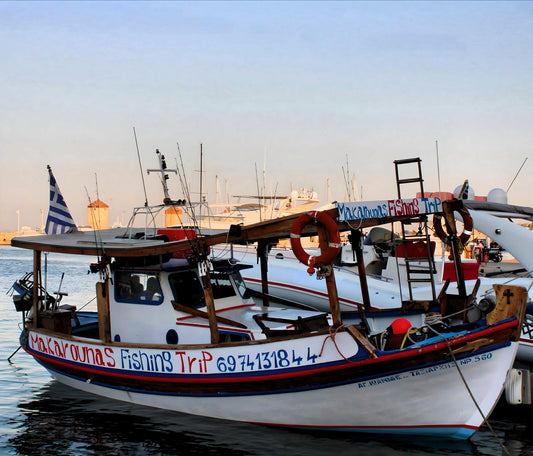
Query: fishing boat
x=177 y=330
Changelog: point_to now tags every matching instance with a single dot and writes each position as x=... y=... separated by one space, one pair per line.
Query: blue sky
x=294 y=88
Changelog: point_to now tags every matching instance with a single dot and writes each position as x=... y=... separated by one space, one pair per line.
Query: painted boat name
x=388 y=208
x=168 y=361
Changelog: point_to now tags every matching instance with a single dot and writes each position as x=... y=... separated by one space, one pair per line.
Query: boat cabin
x=164 y=303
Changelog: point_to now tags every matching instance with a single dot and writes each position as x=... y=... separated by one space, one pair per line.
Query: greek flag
x=59 y=220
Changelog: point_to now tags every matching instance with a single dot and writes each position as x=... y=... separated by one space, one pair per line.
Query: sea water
x=39 y=416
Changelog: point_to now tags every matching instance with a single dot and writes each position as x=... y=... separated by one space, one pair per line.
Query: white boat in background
x=178 y=331
x=259 y=208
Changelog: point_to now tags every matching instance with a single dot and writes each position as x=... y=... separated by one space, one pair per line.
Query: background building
x=98 y=215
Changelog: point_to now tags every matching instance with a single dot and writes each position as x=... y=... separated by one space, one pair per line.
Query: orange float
x=334 y=239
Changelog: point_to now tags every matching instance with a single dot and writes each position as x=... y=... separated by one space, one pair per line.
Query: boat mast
x=201 y=178
x=167 y=201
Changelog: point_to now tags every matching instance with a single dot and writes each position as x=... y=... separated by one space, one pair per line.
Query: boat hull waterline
x=272 y=385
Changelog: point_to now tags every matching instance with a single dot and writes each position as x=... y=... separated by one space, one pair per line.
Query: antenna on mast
x=438 y=164
x=202 y=198
x=258 y=194
x=167 y=201
x=346 y=176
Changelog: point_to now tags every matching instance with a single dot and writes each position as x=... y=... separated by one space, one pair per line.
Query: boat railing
x=149 y=225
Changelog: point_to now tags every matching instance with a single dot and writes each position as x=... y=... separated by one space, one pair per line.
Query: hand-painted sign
x=388 y=208
x=253 y=358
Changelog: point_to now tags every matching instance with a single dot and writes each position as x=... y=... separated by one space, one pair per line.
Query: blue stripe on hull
x=253 y=393
x=451 y=432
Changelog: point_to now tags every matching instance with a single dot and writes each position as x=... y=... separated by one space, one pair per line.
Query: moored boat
x=178 y=331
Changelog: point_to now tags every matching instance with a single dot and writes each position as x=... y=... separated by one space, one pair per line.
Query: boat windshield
x=239 y=282
x=221 y=284
x=187 y=288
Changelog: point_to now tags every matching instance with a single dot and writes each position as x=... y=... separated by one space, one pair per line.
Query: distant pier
x=5 y=238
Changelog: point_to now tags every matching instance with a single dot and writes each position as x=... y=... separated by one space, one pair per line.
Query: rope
x=485 y=420
x=433 y=318
x=465 y=310
x=85 y=305
x=332 y=336
x=353 y=228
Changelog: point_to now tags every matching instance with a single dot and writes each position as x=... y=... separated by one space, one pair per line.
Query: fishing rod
x=185 y=188
x=140 y=167
x=438 y=163
x=98 y=241
x=516 y=175
x=188 y=203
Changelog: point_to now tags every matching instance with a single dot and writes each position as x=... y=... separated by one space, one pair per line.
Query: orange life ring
x=334 y=242
x=467 y=230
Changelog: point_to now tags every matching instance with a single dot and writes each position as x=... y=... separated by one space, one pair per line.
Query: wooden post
x=356 y=241
x=203 y=269
x=448 y=208
x=262 y=253
x=102 y=300
x=36 y=283
x=330 y=281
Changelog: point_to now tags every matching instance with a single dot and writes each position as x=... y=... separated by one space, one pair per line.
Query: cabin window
x=231 y=336
x=138 y=287
x=187 y=289
x=221 y=284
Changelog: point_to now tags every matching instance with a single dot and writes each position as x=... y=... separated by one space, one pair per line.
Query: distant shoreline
x=5 y=238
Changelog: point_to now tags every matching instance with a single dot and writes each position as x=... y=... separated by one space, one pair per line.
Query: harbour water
x=39 y=416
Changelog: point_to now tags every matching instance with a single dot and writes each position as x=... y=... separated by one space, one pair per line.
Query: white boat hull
x=392 y=403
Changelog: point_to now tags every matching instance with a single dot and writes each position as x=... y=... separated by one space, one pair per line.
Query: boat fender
x=400 y=326
x=334 y=239
x=467 y=230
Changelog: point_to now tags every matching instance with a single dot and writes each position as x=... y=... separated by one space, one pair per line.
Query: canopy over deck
x=114 y=243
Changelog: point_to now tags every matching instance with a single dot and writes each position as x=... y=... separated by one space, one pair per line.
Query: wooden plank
x=510 y=302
